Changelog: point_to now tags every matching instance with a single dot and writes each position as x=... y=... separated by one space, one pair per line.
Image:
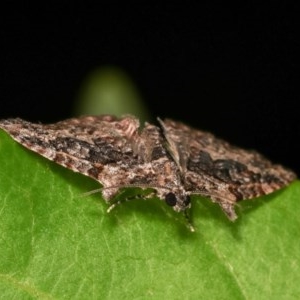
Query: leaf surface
x=56 y=244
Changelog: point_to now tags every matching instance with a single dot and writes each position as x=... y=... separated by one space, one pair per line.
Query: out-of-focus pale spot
x=109 y=90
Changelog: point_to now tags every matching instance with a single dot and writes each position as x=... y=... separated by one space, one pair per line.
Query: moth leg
x=125 y=199
x=228 y=209
x=119 y=202
x=188 y=221
x=112 y=206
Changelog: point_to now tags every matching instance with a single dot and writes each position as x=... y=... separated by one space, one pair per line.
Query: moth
x=173 y=159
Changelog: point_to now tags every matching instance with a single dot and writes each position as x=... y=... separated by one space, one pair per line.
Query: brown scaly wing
x=86 y=145
x=105 y=148
x=225 y=173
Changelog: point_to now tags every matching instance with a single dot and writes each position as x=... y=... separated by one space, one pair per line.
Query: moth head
x=179 y=202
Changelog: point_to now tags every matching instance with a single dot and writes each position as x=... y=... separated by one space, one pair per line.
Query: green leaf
x=56 y=244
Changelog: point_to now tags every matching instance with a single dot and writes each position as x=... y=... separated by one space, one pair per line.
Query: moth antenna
x=188 y=221
x=91 y=192
x=119 y=187
x=226 y=204
x=143 y=186
x=122 y=186
x=113 y=205
x=208 y=194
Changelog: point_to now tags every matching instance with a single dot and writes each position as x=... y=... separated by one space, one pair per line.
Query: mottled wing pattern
x=176 y=161
x=224 y=173
x=75 y=143
x=106 y=148
x=177 y=145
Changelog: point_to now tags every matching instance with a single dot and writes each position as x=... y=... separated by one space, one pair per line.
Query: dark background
x=233 y=71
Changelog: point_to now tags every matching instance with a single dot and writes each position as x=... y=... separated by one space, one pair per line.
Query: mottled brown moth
x=173 y=159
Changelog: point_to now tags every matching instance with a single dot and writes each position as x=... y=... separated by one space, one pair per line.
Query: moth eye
x=171 y=199
x=187 y=200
